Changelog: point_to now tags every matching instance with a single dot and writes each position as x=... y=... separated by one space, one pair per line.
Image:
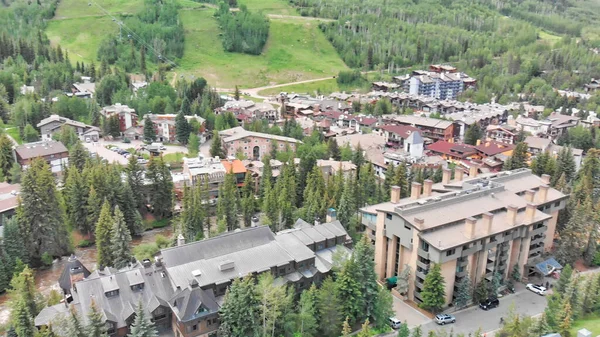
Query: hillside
x=296 y=48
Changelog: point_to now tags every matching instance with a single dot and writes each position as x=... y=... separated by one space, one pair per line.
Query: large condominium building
x=439 y=85
x=478 y=226
x=183 y=290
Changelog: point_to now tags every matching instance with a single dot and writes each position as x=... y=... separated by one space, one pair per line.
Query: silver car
x=442 y=319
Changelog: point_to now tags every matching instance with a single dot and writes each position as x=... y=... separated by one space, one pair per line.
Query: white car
x=536 y=289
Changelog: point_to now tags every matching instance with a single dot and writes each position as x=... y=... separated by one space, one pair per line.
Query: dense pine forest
x=243 y=31
x=510 y=47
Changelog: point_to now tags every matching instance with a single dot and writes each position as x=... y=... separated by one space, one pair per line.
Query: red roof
x=331 y=114
x=401 y=130
x=490 y=148
x=236 y=165
x=457 y=150
x=366 y=120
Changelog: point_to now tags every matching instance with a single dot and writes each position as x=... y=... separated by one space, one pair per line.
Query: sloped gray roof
x=185 y=303
x=73 y=265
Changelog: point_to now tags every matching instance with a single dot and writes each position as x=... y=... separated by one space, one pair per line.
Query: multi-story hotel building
x=478 y=226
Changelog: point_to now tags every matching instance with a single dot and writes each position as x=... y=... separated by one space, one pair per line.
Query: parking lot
x=105 y=153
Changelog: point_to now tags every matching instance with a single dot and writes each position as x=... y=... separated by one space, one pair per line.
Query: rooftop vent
x=196 y=273
x=226 y=265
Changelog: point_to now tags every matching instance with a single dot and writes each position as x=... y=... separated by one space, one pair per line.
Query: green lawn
x=14 y=133
x=270 y=6
x=324 y=87
x=547 y=37
x=81 y=8
x=77 y=36
x=294 y=52
x=174 y=157
x=591 y=323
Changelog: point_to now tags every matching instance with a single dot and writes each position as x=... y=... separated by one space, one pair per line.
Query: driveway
x=105 y=153
x=408 y=314
x=524 y=302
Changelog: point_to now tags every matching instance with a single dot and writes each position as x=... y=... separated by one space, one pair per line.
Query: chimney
x=478 y=142
x=546 y=179
x=180 y=240
x=530 y=212
x=427 y=187
x=511 y=214
x=419 y=221
x=458 y=174
x=470 y=227
x=415 y=190
x=487 y=222
x=446 y=174
x=529 y=195
x=543 y=193
x=395 y=194
x=473 y=170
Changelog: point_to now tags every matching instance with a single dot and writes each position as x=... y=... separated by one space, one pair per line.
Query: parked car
x=442 y=319
x=142 y=161
x=536 y=289
x=395 y=323
x=490 y=303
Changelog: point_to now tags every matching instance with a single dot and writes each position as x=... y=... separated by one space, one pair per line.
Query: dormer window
x=137 y=287
x=201 y=310
x=112 y=293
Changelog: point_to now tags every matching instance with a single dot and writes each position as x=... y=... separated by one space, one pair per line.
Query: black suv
x=489 y=303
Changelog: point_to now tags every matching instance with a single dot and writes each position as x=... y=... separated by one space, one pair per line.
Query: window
x=424 y=246
x=388 y=216
x=200 y=310
x=407 y=227
x=111 y=293
x=556 y=204
x=137 y=287
x=450 y=252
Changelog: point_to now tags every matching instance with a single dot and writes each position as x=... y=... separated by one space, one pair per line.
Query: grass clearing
x=174 y=157
x=547 y=37
x=592 y=323
x=294 y=52
x=324 y=87
x=14 y=133
x=78 y=39
x=81 y=8
x=270 y=6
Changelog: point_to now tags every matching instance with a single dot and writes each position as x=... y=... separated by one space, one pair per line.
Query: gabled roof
x=401 y=130
x=491 y=148
x=72 y=267
x=185 y=303
x=459 y=150
x=537 y=142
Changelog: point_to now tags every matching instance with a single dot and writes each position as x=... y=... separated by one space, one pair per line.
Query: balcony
x=422 y=253
x=490 y=265
x=470 y=251
x=538 y=231
x=421 y=274
x=422 y=264
x=504 y=248
x=536 y=250
x=462 y=262
x=462 y=273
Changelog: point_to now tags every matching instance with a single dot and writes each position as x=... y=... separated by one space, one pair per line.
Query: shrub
x=126 y=140
x=596 y=260
x=145 y=251
x=47 y=259
x=85 y=243
x=162 y=242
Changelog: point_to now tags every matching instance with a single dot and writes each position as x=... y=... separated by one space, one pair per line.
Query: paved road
x=525 y=303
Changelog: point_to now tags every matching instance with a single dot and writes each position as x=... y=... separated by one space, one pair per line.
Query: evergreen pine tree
x=40 y=216
x=519 y=156
x=314 y=201
x=228 y=201
x=94 y=205
x=22 y=320
x=539 y=327
x=78 y=155
x=239 y=314
x=135 y=180
x=329 y=308
x=76 y=196
x=121 y=240
x=346 y=329
x=161 y=187
x=236 y=93
x=333 y=150
x=463 y=292
x=193 y=145
x=24 y=299
x=434 y=292
x=348 y=288
x=248 y=203
x=96 y=326
x=104 y=233
x=306 y=319
x=149 y=133
x=14 y=175
x=216 y=148
x=142 y=326
x=6 y=155
x=359 y=157
x=13 y=245
x=364 y=254
x=182 y=128
x=481 y=291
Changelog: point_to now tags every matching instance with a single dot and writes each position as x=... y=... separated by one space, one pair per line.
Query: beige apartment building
x=476 y=226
